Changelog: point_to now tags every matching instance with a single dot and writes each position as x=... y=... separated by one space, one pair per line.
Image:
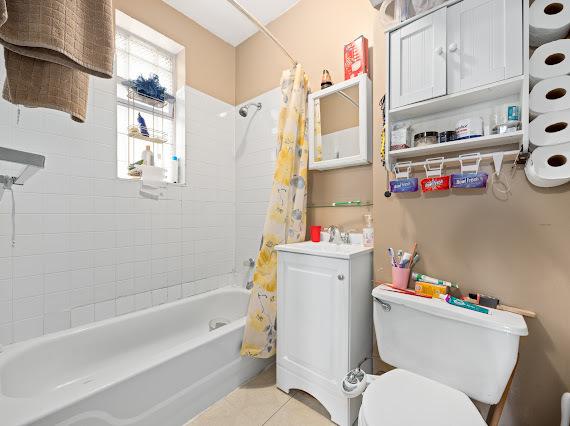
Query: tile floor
x=259 y=402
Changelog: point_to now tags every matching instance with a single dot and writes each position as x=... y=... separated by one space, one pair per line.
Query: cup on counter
x=400 y=277
x=316 y=233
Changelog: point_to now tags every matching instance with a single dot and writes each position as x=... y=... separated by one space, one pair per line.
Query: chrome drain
x=217 y=323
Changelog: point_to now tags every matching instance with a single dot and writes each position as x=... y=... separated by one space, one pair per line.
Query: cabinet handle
x=439 y=50
x=452 y=47
x=340 y=277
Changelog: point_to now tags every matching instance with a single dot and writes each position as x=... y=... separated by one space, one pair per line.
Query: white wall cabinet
x=483 y=42
x=465 y=45
x=324 y=322
x=417 y=60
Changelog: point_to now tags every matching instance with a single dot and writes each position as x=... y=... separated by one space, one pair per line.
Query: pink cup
x=400 y=277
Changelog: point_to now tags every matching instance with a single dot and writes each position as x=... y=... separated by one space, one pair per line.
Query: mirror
x=339 y=125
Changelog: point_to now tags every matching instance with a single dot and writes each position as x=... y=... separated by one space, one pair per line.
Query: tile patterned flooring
x=259 y=402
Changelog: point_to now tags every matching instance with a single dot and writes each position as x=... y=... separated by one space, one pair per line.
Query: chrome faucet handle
x=332 y=230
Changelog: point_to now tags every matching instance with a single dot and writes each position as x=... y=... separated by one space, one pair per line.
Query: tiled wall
x=256 y=138
x=88 y=247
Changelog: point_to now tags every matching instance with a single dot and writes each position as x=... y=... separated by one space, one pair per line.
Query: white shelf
x=461 y=145
x=476 y=95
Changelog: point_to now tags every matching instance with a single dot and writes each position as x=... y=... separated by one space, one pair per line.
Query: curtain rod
x=263 y=28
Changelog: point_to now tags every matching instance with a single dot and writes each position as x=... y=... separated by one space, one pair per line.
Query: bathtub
x=160 y=366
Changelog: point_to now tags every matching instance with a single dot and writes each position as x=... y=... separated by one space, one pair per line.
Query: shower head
x=244 y=109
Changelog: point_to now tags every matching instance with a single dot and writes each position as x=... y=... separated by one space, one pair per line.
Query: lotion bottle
x=368 y=231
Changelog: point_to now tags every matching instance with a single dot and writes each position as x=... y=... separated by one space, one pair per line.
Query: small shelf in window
x=342 y=204
x=155 y=136
x=135 y=96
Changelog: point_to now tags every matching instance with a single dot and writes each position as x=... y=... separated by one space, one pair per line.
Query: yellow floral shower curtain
x=286 y=215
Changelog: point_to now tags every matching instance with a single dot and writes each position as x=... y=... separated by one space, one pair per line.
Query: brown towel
x=51 y=46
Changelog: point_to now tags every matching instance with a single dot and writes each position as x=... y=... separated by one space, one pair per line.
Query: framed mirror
x=340 y=125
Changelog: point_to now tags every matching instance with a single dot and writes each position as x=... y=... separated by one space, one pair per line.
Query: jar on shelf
x=425 y=138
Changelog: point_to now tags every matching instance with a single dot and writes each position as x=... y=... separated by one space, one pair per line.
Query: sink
x=325 y=249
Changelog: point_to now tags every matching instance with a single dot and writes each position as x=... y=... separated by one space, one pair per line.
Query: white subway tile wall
x=256 y=143
x=88 y=246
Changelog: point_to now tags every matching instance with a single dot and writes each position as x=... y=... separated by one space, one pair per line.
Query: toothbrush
x=405 y=259
x=416 y=260
x=391 y=254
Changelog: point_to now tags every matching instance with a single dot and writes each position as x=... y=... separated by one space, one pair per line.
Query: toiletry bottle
x=368 y=231
x=326 y=80
x=174 y=169
x=147 y=157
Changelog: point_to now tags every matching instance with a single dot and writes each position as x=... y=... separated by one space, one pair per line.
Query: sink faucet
x=334 y=234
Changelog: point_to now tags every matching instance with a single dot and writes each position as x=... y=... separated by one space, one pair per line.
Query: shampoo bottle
x=174 y=169
x=147 y=156
x=368 y=231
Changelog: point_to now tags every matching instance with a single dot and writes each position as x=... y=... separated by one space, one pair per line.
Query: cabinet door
x=417 y=60
x=312 y=317
x=484 y=42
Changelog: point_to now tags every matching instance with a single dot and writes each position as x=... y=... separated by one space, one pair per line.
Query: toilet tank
x=467 y=350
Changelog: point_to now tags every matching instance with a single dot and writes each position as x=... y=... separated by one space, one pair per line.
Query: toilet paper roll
x=552 y=94
x=549 y=20
x=550 y=60
x=552 y=128
x=549 y=166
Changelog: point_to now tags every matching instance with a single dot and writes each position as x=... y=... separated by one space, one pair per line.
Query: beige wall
x=315 y=32
x=210 y=61
x=516 y=249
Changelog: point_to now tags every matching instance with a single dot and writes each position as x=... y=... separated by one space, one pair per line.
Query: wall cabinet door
x=417 y=60
x=484 y=42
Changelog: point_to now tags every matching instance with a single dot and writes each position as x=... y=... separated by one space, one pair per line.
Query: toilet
x=444 y=356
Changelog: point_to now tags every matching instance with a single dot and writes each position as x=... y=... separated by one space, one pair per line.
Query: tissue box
x=356 y=58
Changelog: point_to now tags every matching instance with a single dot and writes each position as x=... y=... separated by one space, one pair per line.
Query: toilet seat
x=402 y=398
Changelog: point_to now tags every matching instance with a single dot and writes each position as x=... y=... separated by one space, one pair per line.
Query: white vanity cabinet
x=464 y=45
x=324 y=321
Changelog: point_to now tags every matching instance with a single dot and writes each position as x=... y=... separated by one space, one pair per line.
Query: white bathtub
x=160 y=366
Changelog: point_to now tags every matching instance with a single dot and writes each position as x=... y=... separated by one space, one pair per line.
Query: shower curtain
x=286 y=215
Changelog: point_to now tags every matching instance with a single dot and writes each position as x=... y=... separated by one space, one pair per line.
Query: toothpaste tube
x=463 y=304
x=404 y=185
x=440 y=183
x=426 y=279
x=469 y=180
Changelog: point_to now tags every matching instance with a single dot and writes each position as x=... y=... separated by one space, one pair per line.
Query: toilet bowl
x=400 y=397
x=444 y=356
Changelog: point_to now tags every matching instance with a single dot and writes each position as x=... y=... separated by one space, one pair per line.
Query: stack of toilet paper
x=549 y=102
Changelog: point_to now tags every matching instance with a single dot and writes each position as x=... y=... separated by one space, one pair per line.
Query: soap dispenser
x=368 y=231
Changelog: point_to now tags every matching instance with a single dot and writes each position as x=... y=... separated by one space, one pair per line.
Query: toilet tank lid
x=497 y=320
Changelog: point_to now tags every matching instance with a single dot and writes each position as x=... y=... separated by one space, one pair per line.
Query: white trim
x=125 y=22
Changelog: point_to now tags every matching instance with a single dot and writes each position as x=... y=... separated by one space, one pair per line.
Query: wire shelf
x=135 y=96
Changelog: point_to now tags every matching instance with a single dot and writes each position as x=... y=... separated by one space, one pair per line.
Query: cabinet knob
x=452 y=47
x=439 y=50
x=340 y=277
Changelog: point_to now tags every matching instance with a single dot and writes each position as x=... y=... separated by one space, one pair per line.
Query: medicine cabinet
x=340 y=125
x=464 y=60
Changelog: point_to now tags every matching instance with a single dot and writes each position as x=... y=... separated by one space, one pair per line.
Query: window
x=136 y=56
